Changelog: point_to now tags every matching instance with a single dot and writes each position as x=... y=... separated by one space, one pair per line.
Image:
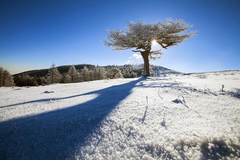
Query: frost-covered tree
x=41 y=80
x=53 y=76
x=98 y=73
x=113 y=73
x=117 y=73
x=101 y=73
x=91 y=75
x=85 y=74
x=127 y=71
x=26 y=80
x=73 y=73
x=1 y=76
x=139 y=37
x=95 y=75
x=6 y=78
x=66 y=78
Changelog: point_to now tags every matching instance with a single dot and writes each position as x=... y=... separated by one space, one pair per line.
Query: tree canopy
x=139 y=37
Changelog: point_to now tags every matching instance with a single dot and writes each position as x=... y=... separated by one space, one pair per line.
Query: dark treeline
x=75 y=73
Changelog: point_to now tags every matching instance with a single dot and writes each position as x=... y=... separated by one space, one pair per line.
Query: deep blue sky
x=36 y=33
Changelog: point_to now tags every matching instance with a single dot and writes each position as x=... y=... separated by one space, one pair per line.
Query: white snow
x=124 y=119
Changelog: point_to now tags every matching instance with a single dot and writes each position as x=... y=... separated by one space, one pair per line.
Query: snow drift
x=172 y=117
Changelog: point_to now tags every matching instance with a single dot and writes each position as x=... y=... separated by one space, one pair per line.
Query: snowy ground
x=171 y=117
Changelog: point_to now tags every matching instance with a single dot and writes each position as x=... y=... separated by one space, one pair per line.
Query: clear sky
x=36 y=33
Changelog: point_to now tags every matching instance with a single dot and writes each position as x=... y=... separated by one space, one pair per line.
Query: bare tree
x=139 y=37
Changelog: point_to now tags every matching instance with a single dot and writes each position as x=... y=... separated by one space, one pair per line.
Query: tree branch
x=136 y=50
x=157 y=51
x=165 y=47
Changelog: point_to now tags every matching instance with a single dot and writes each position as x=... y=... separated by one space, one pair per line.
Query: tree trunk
x=145 y=56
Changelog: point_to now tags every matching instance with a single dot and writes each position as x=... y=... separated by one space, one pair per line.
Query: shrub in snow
x=5 y=78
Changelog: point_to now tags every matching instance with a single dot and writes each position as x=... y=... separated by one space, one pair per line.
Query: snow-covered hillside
x=172 y=117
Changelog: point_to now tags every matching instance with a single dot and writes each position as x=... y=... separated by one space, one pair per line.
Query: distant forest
x=75 y=73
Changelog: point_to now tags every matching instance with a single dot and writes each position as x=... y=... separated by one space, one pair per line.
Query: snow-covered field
x=169 y=117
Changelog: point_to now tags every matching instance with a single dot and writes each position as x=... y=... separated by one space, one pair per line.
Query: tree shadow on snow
x=215 y=149
x=219 y=149
x=235 y=93
x=176 y=86
x=57 y=134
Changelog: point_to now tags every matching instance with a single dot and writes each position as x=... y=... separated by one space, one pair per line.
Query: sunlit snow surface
x=175 y=116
